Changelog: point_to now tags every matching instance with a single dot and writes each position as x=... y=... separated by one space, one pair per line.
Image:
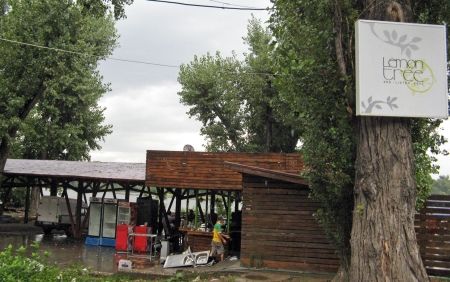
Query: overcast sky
x=143 y=106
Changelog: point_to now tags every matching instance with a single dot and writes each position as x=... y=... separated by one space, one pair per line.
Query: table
x=197 y=240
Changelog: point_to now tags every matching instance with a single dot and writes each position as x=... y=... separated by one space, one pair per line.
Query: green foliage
x=426 y=145
x=319 y=100
x=18 y=266
x=441 y=186
x=48 y=99
x=101 y=7
x=236 y=100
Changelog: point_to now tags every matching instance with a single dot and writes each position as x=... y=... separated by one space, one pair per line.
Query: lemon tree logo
x=414 y=74
x=425 y=78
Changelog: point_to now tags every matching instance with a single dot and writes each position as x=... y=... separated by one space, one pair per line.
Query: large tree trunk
x=383 y=240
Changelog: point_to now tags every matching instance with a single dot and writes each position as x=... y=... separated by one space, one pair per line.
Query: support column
x=27 y=203
x=53 y=188
x=77 y=231
x=177 y=208
x=127 y=192
x=213 y=203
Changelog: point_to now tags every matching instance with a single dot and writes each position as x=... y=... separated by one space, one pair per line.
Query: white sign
x=401 y=70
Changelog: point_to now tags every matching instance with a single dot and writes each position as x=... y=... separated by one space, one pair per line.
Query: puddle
x=65 y=251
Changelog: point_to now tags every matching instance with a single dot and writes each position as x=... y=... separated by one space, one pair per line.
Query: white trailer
x=53 y=214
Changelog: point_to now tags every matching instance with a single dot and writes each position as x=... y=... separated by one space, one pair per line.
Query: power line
x=208 y=6
x=231 y=4
x=86 y=54
x=114 y=58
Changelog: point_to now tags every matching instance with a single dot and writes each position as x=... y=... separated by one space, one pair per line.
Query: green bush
x=17 y=265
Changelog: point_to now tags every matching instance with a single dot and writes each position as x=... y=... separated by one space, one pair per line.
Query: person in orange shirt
x=219 y=239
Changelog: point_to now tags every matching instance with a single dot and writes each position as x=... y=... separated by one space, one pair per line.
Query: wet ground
x=63 y=250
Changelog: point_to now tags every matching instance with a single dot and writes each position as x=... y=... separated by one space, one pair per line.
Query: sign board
x=401 y=70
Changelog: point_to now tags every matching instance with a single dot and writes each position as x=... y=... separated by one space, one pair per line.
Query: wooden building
x=279 y=229
x=278 y=226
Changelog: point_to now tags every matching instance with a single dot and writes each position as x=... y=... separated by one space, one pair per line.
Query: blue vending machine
x=109 y=223
x=102 y=222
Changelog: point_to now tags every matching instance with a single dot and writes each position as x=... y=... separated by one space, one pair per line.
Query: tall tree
x=29 y=75
x=237 y=101
x=68 y=123
x=315 y=57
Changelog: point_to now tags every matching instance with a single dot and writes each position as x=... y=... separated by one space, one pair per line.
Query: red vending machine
x=122 y=238
x=140 y=239
x=126 y=219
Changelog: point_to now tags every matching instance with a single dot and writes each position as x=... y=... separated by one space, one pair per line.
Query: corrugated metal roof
x=133 y=172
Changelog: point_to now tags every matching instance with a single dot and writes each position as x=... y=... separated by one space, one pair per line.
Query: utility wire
x=86 y=54
x=208 y=6
x=231 y=4
x=113 y=58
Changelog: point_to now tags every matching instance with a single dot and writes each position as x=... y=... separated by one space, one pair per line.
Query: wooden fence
x=433 y=235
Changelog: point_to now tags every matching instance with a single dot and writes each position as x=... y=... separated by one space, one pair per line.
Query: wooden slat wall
x=279 y=230
x=433 y=235
x=202 y=170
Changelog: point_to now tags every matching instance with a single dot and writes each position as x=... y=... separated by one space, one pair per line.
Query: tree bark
x=383 y=239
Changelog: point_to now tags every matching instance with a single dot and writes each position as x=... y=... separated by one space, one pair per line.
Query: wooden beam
x=127 y=193
x=27 y=204
x=171 y=201
x=177 y=208
x=77 y=231
x=213 y=203
x=69 y=208
x=53 y=188
x=165 y=219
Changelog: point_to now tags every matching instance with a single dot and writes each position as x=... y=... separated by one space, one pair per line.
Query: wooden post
x=77 y=231
x=229 y=212
x=206 y=210
x=225 y=203
x=177 y=208
x=53 y=188
x=113 y=191
x=187 y=200
x=172 y=200
x=213 y=203
x=127 y=192
x=69 y=208
x=196 y=209
x=27 y=203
